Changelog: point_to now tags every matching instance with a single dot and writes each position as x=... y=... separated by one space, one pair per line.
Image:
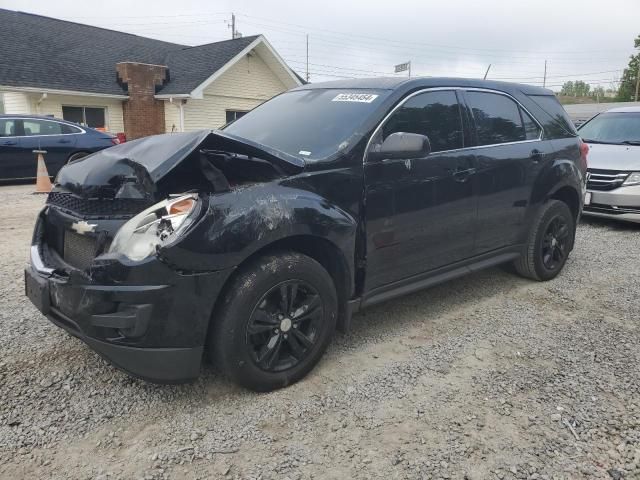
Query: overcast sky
x=586 y=39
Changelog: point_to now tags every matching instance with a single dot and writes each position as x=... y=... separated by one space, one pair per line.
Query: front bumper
x=623 y=203
x=156 y=331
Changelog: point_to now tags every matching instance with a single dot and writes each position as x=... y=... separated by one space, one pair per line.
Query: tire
x=255 y=318
x=549 y=243
x=77 y=156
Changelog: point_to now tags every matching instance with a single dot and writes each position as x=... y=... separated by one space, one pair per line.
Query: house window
x=234 y=115
x=93 y=117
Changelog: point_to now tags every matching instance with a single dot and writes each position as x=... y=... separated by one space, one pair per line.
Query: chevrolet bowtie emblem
x=83 y=227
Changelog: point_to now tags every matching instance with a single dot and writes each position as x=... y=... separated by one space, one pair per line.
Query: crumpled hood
x=132 y=169
x=614 y=157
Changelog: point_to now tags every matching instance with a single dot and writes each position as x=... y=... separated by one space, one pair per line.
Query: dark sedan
x=63 y=141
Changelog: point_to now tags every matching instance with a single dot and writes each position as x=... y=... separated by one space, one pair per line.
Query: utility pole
x=307 y=57
x=233 y=25
x=487 y=72
x=638 y=79
x=544 y=81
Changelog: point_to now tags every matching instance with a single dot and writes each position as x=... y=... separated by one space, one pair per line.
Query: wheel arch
x=325 y=252
x=569 y=195
x=76 y=152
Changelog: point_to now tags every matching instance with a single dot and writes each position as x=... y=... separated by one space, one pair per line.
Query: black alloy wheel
x=284 y=325
x=549 y=242
x=274 y=321
x=554 y=243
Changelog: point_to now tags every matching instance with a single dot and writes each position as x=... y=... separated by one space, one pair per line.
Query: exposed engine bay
x=133 y=198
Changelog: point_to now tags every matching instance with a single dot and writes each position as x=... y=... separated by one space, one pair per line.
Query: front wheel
x=275 y=321
x=550 y=241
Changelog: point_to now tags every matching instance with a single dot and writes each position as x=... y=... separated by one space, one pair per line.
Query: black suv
x=253 y=243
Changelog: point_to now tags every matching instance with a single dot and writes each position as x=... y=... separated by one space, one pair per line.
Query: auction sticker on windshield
x=355 y=97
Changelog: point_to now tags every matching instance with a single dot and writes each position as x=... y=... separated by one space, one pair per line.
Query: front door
x=420 y=213
x=13 y=159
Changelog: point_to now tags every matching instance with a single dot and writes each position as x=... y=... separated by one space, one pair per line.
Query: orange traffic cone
x=43 y=182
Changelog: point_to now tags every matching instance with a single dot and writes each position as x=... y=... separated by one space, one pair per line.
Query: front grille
x=94 y=207
x=79 y=250
x=605 y=180
x=611 y=209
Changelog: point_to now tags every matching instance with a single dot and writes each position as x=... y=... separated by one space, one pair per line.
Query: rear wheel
x=275 y=321
x=549 y=243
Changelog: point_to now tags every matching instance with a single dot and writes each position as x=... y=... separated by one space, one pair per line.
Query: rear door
x=420 y=211
x=51 y=136
x=509 y=153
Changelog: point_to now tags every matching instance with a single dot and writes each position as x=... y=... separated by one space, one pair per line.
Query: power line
x=306 y=28
x=422 y=55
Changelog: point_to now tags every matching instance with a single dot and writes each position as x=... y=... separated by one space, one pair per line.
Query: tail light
x=584 y=151
x=122 y=137
x=115 y=140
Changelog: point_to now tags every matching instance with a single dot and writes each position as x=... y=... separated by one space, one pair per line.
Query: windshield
x=310 y=124
x=612 y=128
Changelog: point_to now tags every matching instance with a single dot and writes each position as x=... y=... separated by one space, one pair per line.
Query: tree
x=627 y=90
x=575 y=89
x=568 y=89
x=598 y=92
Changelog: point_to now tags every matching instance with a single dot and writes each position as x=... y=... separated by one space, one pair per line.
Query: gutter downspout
x=180 y=106
x=39 y=101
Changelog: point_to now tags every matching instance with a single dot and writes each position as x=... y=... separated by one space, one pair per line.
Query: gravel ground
x=490 y=376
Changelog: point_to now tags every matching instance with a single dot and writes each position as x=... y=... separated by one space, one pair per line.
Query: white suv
x=613 y=176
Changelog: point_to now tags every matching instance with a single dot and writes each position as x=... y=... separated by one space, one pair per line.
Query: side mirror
x=403 y=145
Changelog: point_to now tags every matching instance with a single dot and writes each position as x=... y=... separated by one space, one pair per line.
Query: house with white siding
x=121 y=82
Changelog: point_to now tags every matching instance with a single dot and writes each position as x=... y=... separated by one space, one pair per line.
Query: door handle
x=64 y=141
x=463 y=175
x=10 y=142
x=537 y=155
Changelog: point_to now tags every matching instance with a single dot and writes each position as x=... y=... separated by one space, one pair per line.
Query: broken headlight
x=155 y=227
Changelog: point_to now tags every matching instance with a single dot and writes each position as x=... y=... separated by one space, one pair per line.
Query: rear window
x=560 y=124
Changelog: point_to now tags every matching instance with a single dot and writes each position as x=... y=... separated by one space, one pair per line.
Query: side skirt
x=430 y=279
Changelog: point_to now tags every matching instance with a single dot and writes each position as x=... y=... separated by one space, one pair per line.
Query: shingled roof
x=48 y=53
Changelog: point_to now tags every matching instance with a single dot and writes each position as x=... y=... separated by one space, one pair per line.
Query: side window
x=7 y=127
x=557 y=124
x=531 y=128
x=434 y=114
x=497 y=118
x=41 y=127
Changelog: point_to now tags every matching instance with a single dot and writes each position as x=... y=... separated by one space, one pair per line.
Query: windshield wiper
x=588 y=140
x=631 y=142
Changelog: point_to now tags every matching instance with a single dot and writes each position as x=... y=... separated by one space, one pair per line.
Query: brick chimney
x=143 y=114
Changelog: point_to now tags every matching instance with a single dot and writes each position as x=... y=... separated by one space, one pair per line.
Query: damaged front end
x=102 y=265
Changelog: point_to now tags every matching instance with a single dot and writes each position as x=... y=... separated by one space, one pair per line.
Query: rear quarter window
x=557 y=124
x=69 y=128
